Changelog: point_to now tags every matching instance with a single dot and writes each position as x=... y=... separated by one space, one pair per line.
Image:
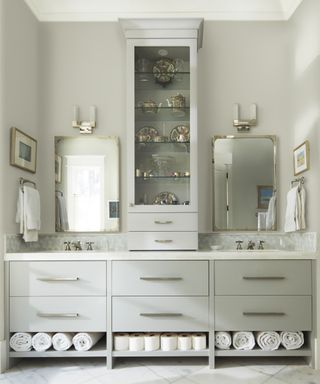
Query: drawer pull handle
x=58 y=278
x=263 y=314
x=161 y=314
x=163 y=222
x=263 y=277
x=73 y=315
x=163 y=241
x=161 y=278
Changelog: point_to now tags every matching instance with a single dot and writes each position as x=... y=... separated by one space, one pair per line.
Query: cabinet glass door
x=162 y=125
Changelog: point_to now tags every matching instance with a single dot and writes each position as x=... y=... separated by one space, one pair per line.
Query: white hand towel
x=62 y=341
x=85 y=341
x=21 y=342
x=222 y=340
x=268 y=340
x=290 y=218
x=62 y=222
x=243 y=340
x=42 y=341
x=292 y=340
x=300 y=209
x=271 y=213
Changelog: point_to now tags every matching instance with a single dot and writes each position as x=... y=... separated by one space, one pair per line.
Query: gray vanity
x=161 y=292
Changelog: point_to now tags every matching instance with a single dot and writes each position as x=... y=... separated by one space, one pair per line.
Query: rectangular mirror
x=244 y=181
x=87 y=184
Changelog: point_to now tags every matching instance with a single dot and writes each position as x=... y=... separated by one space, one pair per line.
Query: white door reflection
x=85 y=193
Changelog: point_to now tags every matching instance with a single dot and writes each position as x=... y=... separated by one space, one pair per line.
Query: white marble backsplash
x=300 y=241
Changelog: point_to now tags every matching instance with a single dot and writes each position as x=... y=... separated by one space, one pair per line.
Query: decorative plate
x=146 y=134
x=180 y=134
x=164 y=70
x=165 y=198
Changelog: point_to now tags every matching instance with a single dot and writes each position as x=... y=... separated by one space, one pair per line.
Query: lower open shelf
x=304 y=352
x=98 y=350
x=159 y=353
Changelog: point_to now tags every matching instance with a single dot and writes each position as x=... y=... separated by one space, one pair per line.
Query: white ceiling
x=111 y=10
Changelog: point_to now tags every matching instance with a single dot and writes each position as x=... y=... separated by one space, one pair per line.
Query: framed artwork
x=301 y=158
x=265 y=193
x=23 y=150
x=57 y=168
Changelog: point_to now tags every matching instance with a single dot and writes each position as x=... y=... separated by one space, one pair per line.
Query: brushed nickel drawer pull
x=161 y=278
x=161 y=314
x=58 y=278
x=263 y=277
x=263 y=314
x=163 y=222
x=43 y=314
x=163 y=241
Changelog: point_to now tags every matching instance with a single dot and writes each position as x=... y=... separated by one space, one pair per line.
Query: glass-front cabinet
x=162 y=137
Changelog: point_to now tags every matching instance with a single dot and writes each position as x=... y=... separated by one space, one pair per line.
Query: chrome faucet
x=89 y=245
x=239 y=245
x=67 y=245
x=261 y=246
x=77 y=245
x=251 y=245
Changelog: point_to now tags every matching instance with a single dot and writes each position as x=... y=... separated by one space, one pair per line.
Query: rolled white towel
x=21 y=342
x=222 y=340
x=268 y=340
x=292 y=340
x=243 y=340
x=84 y=341
x=62 y=341
x=42 y=341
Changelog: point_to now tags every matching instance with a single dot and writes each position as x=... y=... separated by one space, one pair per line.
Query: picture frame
x=265 y=193
x=301 y=158
x=23 y=150
x=58 y=168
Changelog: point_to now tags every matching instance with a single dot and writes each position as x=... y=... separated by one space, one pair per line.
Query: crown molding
x=50 y=12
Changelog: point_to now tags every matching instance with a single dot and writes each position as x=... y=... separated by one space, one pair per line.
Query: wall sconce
x=84 y=126
x=246 y=124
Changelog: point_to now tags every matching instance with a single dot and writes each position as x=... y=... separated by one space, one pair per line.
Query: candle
x=92 y=114
x=253 y=111
x=235 y=111
x=75 y=112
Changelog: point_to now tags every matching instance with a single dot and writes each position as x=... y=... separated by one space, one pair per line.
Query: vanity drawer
x=58 y=278
x=69 y=314
x=263 y=277
x=253 y=313
x=162 y=222
x=159 y=277
x=160 y=314
x=162 y=241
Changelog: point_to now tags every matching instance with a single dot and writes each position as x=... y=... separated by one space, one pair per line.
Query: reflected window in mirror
x=87 y=184
x=244 y=183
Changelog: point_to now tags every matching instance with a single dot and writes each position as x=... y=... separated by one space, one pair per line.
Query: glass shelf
x=169 y=178
x=146 y=81
x=163 y=114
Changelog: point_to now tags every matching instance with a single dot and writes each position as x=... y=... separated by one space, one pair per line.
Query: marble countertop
x=159 y=255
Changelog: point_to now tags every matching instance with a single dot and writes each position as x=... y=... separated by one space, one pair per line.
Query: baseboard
x=3 y=356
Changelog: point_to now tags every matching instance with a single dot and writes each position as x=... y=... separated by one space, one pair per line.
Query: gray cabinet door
x=263 y=277
x=160 y=314
x=160 y=277
x=259 y=313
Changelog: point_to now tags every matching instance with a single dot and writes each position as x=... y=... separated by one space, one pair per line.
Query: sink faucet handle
x=67 y=245
x=89 y=245
x=77 y=245
x=261 y=246
x=239 y=244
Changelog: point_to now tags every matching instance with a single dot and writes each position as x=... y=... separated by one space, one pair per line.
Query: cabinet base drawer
x=260 y=313
x=162 y=222
x=166 y=314
x=162 y=241
x=160 y=277
x=68 y=314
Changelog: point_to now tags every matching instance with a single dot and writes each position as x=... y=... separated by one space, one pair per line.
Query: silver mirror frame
x=273 y=138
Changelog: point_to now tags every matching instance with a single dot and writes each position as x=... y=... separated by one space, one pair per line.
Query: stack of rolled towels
x=135 y=342
x=266 y=340
x=61 y=341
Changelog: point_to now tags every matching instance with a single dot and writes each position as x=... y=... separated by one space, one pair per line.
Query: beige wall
x=19 y=52
x=84 y=63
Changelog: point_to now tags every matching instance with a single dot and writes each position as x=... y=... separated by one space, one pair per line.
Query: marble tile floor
x=161 y=371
